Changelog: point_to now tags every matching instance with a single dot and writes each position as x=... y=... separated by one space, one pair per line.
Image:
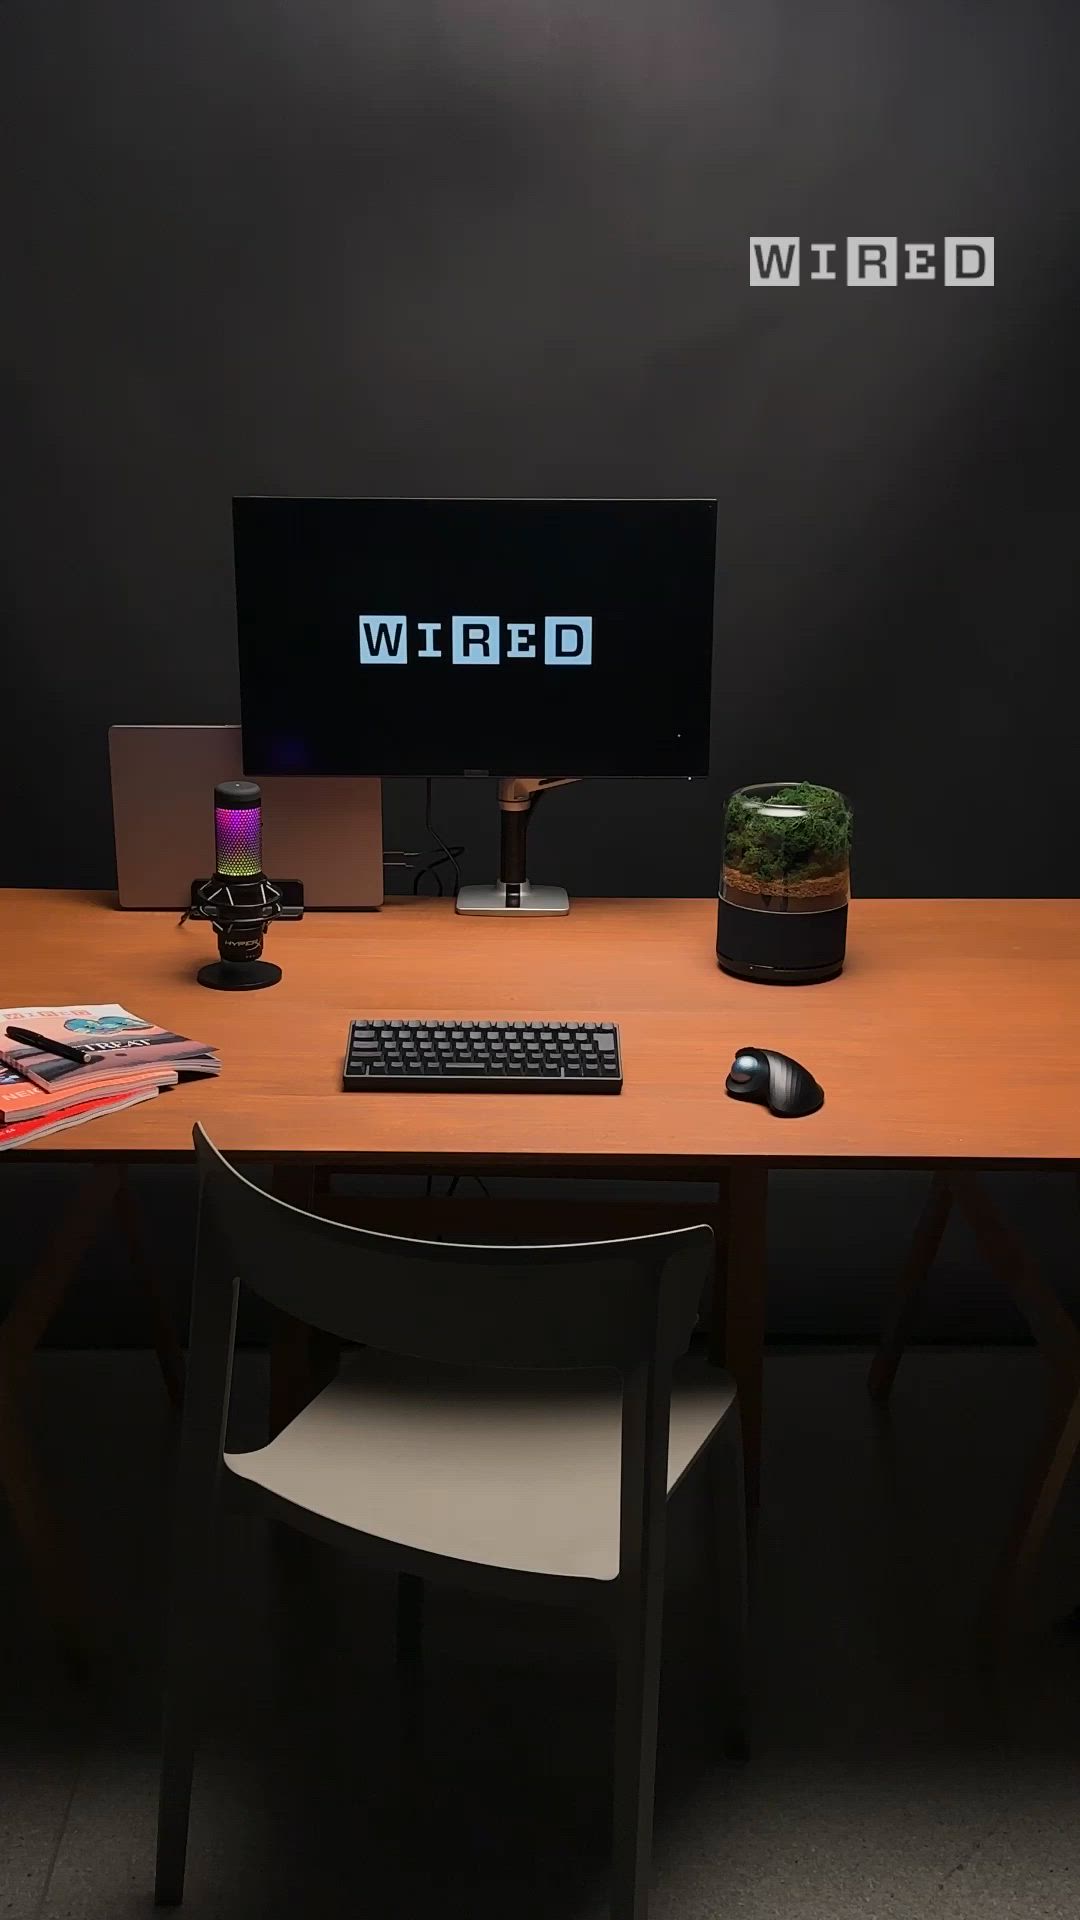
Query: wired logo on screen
x=476 y=640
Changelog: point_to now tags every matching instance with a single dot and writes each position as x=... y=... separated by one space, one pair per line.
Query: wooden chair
x=515 y=1421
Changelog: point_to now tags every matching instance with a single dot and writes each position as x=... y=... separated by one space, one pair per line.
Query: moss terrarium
x=787 y=853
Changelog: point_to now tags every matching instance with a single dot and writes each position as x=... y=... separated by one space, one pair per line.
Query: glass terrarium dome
x=787 y=848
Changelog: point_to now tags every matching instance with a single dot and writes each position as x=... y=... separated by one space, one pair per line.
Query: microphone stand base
x=239 y=976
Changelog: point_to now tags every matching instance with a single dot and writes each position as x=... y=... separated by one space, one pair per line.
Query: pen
x=83 y=1056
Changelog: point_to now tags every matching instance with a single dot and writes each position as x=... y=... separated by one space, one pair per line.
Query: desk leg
x=292 y=1369
x=60 y=1583
x=162 y=1330
x=302 y=1358
x=44 y=1541
x=1060 y=1443
x=904 y=1310
x=742 y=1330
x=102 y=1189
x=1059 y=1339
x=1045 y=1481
x=38 y=1299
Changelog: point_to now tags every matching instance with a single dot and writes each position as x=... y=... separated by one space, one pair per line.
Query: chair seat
x=509 y=1470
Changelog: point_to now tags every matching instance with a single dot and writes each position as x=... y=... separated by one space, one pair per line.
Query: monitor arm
x=518 y=796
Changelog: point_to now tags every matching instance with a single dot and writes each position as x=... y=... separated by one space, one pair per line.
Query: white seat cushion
x=505 y=1470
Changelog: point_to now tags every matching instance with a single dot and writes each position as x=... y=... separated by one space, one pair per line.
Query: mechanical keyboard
x=482 y=1056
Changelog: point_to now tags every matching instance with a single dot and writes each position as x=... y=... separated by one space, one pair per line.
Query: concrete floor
x=889 y=1778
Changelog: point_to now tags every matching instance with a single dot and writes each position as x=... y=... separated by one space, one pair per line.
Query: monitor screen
x=475 y=636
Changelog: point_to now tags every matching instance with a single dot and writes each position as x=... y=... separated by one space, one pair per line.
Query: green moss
x=813 y=842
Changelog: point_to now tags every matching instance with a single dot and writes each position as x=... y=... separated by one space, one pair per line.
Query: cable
x=445 y=854
x=432 y=868
x=456 y=1182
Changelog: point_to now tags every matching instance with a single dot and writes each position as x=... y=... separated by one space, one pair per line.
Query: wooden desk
x=952 y=1035
x=951 y=1040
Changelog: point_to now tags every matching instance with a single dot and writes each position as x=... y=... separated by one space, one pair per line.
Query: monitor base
x=529 y=899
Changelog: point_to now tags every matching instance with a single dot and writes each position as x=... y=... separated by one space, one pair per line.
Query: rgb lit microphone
x=238 y=899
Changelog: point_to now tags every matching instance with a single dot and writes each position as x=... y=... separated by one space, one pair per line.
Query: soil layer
x=818 y=895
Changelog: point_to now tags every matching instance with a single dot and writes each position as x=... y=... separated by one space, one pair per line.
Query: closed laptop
x=326 y=833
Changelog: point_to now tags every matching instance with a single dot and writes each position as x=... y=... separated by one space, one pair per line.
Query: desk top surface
x=953 y=1033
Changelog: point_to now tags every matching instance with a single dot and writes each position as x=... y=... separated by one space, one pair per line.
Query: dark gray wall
x=464 y=246
x=458 y=246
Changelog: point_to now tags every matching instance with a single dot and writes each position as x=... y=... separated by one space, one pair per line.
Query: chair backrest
x=616 y=1303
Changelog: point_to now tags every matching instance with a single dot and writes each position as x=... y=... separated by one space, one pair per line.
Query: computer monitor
x=475 y=636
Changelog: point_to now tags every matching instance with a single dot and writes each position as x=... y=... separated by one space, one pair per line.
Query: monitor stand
x=512 y=893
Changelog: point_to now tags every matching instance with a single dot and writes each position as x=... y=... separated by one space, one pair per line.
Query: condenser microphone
x=238 y=899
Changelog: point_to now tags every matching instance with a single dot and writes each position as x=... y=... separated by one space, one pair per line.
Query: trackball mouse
x=776 y=1080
